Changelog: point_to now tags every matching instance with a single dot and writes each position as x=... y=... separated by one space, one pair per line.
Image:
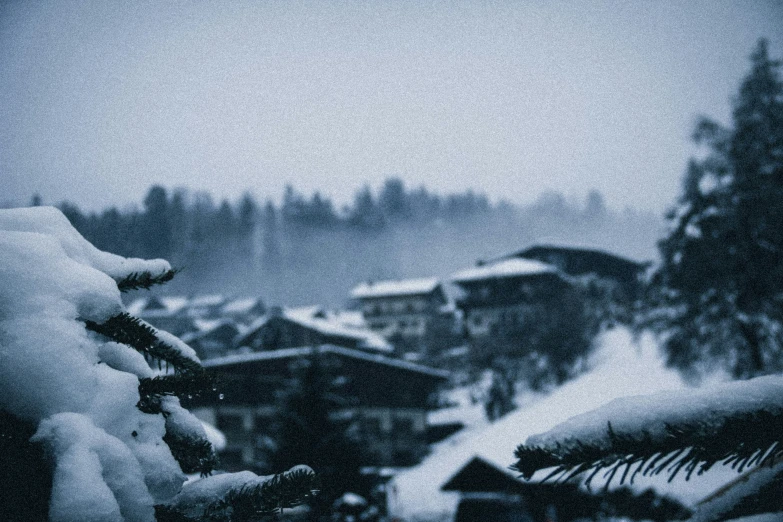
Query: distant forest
x=305 y=251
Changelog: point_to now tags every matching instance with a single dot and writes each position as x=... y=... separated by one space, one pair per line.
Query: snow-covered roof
x=286 y=353
x=241 y=305
x=327 y=323
x=171 y=305
x=137 y=305
x=621 y=368
x=515 y=267
x=207 y=300
x=395 y=288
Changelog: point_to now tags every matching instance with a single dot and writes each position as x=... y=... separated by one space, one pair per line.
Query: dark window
x=372 y=427
x=402 y=426
x=231 y=459
x=230 y=423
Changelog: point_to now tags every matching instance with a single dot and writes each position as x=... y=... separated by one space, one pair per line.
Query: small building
x=212 y=337
x=490 y=493
x=388 y=397
x=243 y=310
x=164 y=312
x=412 y=313
x=308 y=326
x=496 y=293
x=206 y=306
x=577 y=261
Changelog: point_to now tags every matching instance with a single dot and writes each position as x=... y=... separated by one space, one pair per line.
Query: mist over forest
x=305 y=251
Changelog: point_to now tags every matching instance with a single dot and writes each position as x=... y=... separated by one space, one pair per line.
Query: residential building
x=497 y=293
x=165 y=312
x=389 y=399
x=413 y=314
x=206 y=306
x=578 y=261
x=243 y=310
x=212 y=337
x=309 y=326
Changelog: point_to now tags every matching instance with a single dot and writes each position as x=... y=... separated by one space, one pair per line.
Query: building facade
x=387 y=398
x=412 y=314
x=496 y=294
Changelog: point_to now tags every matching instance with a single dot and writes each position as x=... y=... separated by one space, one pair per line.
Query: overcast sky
x=99 y=100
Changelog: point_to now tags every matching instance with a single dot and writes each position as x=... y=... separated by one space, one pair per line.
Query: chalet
x=409 y=313
x=243 y=310
x=165 y=312
x=388 y=397
x=576 y=261
x=489 y=493
x=206 y=306
x=212 y=337
x=497 y=293
x=308 y=326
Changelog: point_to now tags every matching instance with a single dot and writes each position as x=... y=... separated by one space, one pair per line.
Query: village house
x=389 y=399
x=413 y=314
x=578 y=261
x=243 y=310
x=165 y=312
x=496 y=293
x=309 y=326
x=212 y=337
x=206 y=306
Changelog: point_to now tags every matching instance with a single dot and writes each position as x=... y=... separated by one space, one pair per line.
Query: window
x=230 y=423
x=372 y=427
x=231 y=459
x=402 y=426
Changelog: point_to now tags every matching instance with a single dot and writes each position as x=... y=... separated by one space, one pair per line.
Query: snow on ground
x=621 y=367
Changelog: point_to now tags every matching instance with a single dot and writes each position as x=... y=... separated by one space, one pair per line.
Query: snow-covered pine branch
x=738 y=424
x=104 y=435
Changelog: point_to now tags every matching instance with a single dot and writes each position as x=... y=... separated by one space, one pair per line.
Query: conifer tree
x=718 y=294
x=311 y=431
x=50 y=442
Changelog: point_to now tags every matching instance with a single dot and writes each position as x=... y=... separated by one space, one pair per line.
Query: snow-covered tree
x=91 y=427
x=718 y=298
x=311 y=429
x=738 y=424
x=718 y=294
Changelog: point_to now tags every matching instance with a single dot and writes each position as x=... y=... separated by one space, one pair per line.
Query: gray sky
x=101 y=99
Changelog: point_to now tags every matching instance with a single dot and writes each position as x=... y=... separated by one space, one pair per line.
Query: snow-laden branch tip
x=738 y=424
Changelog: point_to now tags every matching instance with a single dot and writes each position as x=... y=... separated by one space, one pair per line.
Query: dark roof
x=289 y=353
x=479 y=476
x=574 y=260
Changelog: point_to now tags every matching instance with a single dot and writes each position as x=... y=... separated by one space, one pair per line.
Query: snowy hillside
x=621 y=367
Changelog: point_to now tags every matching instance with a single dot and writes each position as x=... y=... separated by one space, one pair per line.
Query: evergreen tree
x=311 y=431
x=50 y=443
x=718 y=294
x=680 y=434
x=271 y=256
x=155 y=234
x=393 y=199
x=718 y=297
x=365 y=213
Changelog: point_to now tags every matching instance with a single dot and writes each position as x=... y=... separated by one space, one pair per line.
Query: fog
x=101 y=99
